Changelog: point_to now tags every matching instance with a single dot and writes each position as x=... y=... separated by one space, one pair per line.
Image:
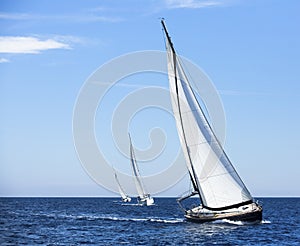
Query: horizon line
x=132 y=196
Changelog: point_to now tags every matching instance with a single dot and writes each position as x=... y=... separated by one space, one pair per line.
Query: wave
x=131 y=204
x=240 y=223
x=234 y=222
x=168 y=220
x=227 y=221
x=265 y=222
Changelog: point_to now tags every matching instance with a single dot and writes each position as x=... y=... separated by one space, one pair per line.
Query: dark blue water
x=106 y=221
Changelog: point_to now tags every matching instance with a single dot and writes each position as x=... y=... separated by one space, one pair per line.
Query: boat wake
x=233 y=222
x=230 y=222
x=149 y=219
x=136 y=204
x=112 y=218
x=240 y=223
x=131 y=204
x=159 y=220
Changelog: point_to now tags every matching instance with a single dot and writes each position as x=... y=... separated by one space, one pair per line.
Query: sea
x=108 y=221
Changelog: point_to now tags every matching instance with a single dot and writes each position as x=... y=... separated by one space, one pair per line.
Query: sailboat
x=124 y=196
x=143 y=198
x=221 y=192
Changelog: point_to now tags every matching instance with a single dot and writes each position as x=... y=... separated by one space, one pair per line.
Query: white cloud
x=96 y=18
x=14 y=16
x=192 y=4
x=29 y=45
x=119 y=84
x=242 y=93
x=85 y=17
x=3 y=60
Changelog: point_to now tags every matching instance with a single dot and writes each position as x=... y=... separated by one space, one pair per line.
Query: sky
x=48 y=49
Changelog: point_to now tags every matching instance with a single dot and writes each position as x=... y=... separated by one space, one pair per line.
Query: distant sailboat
x=143 y=197
x=125 y=197
x=222 y=193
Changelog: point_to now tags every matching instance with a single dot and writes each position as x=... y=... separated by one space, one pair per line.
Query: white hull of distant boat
x=221 y=192
x=146 y=200
x=126 y=199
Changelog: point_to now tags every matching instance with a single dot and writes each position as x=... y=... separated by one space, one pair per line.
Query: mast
x=193 y=180
x=167 y=35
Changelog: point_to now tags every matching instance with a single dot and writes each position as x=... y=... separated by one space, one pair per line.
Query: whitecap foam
x=116 y=218
x=172 y=221
x=265 y=222
x=232 y=222
x=151 y=219
x=131 y=204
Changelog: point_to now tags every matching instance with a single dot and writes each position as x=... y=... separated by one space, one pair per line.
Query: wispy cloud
x=242 y=93
x=29 y=45
x=69 y=39
x=14 y=16
x=85 y=17
x=192 y=4
x=94 y=18
x=3 y=60
x=133 y=85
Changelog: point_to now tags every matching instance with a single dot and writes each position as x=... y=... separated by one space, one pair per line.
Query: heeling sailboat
x=143 y=197
x=222 y=193
x=124 y=196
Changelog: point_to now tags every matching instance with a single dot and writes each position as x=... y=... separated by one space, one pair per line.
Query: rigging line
x=195 y=184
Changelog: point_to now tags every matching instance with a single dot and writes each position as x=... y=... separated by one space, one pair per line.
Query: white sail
x=121 y=190
x=211 y=171
x=136 y=173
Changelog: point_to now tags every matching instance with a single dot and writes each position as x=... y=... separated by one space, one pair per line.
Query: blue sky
x=249 y=49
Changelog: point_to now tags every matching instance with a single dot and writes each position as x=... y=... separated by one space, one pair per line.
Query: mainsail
x=137 y=177
x=121 y=190
x=210 y=169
